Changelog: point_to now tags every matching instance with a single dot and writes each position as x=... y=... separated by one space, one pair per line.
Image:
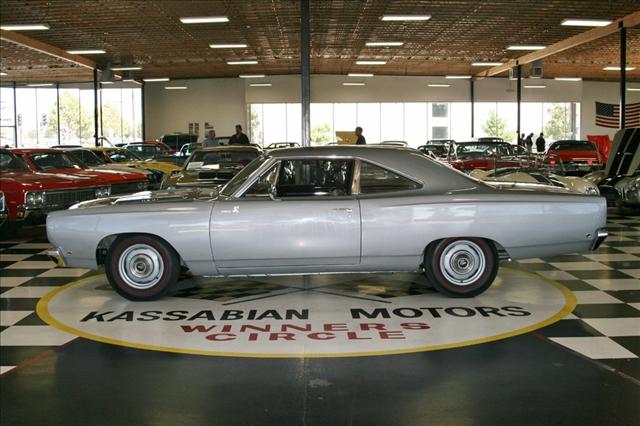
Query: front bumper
x=601 y=234
x=56 y=256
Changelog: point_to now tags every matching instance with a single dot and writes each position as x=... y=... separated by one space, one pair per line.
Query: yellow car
x=159 y=169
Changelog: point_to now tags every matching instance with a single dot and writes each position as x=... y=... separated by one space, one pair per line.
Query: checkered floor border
x=605 y=324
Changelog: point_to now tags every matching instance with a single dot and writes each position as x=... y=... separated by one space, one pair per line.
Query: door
x=301 y=213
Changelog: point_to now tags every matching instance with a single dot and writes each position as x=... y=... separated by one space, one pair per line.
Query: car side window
x=375 y=179
x=314 y=178
x=264 y=185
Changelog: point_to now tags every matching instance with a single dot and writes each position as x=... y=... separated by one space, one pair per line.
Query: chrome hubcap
x=141 y=266
x=462 y=262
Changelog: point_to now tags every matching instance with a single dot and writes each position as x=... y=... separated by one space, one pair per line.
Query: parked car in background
x=619 y=182
x=327 y=210
x=437 y=148
x=27 y=196
x=47 y=160
x=278 y=145
x=124 y=157
x=467 y=156
x=212 y=166
x=536 y=179
x=489 y=139
x=578 y=157
x=149 y=150
x=394 y=143
x=177 y=140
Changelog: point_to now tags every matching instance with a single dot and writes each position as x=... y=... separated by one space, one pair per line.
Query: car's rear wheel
x=141 y=267
x=461 y=267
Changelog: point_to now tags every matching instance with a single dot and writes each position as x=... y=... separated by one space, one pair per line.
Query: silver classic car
x=326 y=210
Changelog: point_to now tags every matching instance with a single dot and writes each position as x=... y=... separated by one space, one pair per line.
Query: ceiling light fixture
x=458 y=77
x=106 y=82
x=618 y=68
x=534 y=86
x=40 y=85
x=568 y=78
x=585 y=22
x=359 y=74
x=150 y=80
x=86 y=52
x=228 y=46
x=251 y=76
x=384 y=43
x=405 y=17
x=175 y=87
x=203 y=19
x=371 y=62
x=353 y=84
x=439 y=85
x=633 y=89
x=486 y=64
x=27 y=27
x=2 y=73
x=526 y=47
x=242 y=62
x=260 y=84
x=126 y=68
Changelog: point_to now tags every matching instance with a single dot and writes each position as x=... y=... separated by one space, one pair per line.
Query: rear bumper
x=601 y=234
x=56 y=256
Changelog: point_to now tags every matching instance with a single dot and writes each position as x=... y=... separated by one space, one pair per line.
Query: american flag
x=608 y=115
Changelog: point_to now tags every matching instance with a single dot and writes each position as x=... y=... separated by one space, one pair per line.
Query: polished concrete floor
x=577 y=368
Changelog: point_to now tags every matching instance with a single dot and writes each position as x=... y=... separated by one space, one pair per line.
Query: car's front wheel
x=461 y=267
x=141 y=267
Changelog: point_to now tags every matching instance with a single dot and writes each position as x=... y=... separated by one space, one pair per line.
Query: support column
x=305 y=71
x=623 y=75
x=15 y=117
x=142 y=111
x=519 y=92
x=95 y=106
x=473 y=101
x=58 y=108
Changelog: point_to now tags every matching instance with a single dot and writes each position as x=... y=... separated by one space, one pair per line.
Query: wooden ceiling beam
x=37 y=45
x=628 y=21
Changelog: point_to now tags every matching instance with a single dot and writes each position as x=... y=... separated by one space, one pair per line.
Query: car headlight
x=103 y=192
x=33 y=199
x=592 y=190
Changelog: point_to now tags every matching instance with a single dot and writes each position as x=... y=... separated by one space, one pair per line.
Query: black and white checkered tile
x=605 y=324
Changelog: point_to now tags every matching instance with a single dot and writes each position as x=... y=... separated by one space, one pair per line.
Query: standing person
x=528 y=142
x=540 y=144
x=361 y=140
x=239 y=138
x=211 y=140
x=521 y=140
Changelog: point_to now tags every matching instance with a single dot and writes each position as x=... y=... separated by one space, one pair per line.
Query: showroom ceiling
x=150 y=34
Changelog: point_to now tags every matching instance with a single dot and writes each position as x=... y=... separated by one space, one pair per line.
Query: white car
x=535 y=177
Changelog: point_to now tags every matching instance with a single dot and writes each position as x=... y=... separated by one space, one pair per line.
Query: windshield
x=573 y=146
x=238 y=180
x=11 y=163
x=220 y=159
x=439 y=150
x=145 y=151
x=122 y=155
x=86 y=157
x=475 y=149
x=52 y=160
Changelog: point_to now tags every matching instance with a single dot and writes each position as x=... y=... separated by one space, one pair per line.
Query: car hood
x=624 y=157
x=150 y=197
x=37 y=181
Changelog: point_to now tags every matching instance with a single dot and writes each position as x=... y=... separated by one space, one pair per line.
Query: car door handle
x=343 y=209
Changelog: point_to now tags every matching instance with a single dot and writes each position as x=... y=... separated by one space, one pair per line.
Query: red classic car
x=467 y=156
x=28 y=196
x=578 y=157
x=58 y=162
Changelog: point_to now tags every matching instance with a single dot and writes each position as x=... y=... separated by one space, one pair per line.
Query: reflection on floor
x=602 y=335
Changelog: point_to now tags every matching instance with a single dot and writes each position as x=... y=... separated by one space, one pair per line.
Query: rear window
x=11 y=163
x=573 y=146
x=375 y=179
x=52 y=160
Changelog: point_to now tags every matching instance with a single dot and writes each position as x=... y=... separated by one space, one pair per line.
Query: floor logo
x=307 y=316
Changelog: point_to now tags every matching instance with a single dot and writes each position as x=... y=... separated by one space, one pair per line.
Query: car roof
x=36 y=150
